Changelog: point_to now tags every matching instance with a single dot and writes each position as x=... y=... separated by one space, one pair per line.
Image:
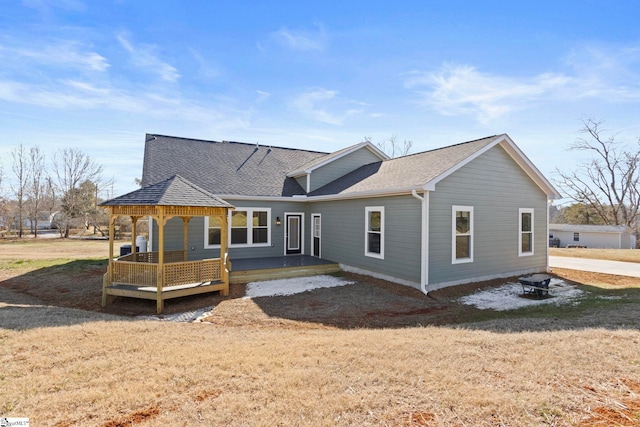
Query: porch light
x=278 y=220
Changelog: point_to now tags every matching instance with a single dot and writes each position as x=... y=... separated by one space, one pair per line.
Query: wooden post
x=134 y=224
x=107 y=280
x=160 y=273
x=224 y=251
x=185 y=233
x=134 y=233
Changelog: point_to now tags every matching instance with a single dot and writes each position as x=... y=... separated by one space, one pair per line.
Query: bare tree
x=21 y=172
x=36 y=188
x=72 y=167
x=392 y=147
x=608 y=183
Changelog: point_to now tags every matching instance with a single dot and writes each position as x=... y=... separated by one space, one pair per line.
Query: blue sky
x=98 y=75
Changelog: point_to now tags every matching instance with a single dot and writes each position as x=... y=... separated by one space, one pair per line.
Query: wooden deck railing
x=134 y=273
x=182 y=273
x=145 y=273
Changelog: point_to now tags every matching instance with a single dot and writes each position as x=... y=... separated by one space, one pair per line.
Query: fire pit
x=536 y=284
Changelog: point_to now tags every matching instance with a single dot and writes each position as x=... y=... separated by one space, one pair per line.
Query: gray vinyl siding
x=302 y=180
x=197 y=250
x=496 y=187
x=340 y=167
x=343 y=235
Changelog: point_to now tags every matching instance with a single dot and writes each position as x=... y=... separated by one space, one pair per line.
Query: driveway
x=619 y=268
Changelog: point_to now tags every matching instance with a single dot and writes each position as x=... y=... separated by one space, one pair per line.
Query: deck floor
x=251 y=269
x=248 y=264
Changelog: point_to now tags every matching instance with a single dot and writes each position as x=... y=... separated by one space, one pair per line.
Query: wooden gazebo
x=162 y=274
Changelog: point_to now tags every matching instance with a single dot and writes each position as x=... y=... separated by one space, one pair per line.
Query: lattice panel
x=182 y=273
x=212 y=268
x=135 y=273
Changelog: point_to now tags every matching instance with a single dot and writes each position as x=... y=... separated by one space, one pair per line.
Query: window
x=213 y=226
x=525 y=237
x=576 y=237
x=247 y=227
x=461 y=234
x=239 y=228
x=374 y=232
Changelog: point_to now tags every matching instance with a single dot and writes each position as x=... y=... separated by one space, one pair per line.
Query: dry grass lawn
x=627 y=255
x=68 y=367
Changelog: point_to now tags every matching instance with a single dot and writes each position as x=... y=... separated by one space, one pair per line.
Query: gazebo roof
x=174 y=191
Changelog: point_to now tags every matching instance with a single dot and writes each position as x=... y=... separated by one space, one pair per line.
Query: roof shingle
x=174 y=191
x=226 y=168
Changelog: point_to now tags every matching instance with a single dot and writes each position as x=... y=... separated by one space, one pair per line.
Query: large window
x=247 y=227
x=461 y=234
x=525 y=237
x=374 y=232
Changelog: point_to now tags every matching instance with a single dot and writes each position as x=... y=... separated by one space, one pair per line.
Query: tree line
x=66 y=189
x=604 y=189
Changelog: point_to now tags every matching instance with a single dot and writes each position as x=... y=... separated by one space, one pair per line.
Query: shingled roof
x=404 y=173
x=174 y=191
x=239 y=169
x=227 y=168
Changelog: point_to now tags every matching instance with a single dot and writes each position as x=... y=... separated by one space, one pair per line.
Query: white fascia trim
x=523 y=161
x=365 y=194
x=366 y=144
x=431 y=185
x=329 y=197
x=516 y=154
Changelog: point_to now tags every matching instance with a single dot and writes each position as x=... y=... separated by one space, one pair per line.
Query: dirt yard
x=369 y=354
x=71 y=276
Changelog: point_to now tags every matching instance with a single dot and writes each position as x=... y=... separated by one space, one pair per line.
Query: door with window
x=293 y=238
x=315 y=234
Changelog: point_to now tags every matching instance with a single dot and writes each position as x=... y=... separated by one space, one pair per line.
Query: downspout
x=424 y=238
x=549 y=204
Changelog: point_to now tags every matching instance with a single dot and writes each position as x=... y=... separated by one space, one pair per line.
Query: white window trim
x=454 y=209
x=520 y=212
x=312 y=234
x=368 y=209
x=249 y=229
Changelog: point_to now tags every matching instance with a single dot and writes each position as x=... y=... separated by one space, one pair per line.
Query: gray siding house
x=467 y=212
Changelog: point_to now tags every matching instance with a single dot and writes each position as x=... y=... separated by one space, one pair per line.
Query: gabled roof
x=175 y=191
x=321 y=161
x=589 y=228
x=227 y=168
x=234 y=169
x=422 y=171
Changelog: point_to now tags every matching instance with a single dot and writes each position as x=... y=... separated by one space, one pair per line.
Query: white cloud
x=262 y=96
x=316 y=102
x=144 y=57
x=301 y=40
x=462 y=89
x=607 y=75
x=63 y=54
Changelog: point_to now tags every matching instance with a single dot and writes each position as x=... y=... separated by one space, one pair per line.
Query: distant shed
x=593 y=236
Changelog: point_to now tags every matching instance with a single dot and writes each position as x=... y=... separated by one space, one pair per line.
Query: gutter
x=424 y=240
